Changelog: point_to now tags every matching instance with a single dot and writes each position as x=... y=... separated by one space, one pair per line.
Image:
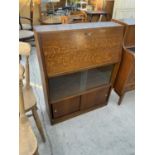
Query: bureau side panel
x=43 y=73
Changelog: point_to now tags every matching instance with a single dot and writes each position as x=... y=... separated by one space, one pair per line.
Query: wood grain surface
x=69 y=51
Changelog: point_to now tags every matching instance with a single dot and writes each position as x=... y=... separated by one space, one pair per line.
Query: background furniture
x=27 y=139
x=26 y=23
x=82 y=5
x=25 y=26
x=99 y=5
x=104 y=12
x=73 y=17
x=54 y=2
x=25 y=9
x=29 y=98
x=77 y=69
x=49 y=6
x=50 y=20
x=26 y=36
x=125 y=80
x=100 y=14
x=109 y=8
x=77 y=17
x=26 y=29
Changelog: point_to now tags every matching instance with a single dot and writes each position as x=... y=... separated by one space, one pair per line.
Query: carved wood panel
x=68 y=51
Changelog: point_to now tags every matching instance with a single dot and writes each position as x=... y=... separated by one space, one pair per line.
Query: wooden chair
x=26 y=29
x=26 y=35
x=28 y=21
x=75 y=17
x=26 y=26
x=27 y=140
x=29 y=98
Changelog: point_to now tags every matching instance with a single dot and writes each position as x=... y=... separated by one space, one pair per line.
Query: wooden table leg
x=91 y=17
x=37 y=153
x=120 y=99
x=106 y=16
x=38 y=122
x=100 y=18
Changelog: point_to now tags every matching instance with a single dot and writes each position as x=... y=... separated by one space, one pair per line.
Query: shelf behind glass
x=73 y=84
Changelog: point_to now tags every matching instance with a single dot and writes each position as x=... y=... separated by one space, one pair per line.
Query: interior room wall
x=124 y=9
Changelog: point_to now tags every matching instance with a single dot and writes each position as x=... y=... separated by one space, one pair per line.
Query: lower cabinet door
x=66 y=107
x=96 y=97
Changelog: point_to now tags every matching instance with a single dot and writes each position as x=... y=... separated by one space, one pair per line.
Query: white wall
x=124 y=9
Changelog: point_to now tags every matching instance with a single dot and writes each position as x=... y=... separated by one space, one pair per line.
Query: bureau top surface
x=128 y=21
x=77 y=26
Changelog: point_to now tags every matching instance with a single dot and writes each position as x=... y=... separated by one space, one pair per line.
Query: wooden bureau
x=78 y=64
x=125 y=80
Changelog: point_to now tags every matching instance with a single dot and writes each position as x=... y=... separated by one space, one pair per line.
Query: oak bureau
x=78 y=64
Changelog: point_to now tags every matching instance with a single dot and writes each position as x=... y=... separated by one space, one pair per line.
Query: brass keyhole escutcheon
x=88 y=33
